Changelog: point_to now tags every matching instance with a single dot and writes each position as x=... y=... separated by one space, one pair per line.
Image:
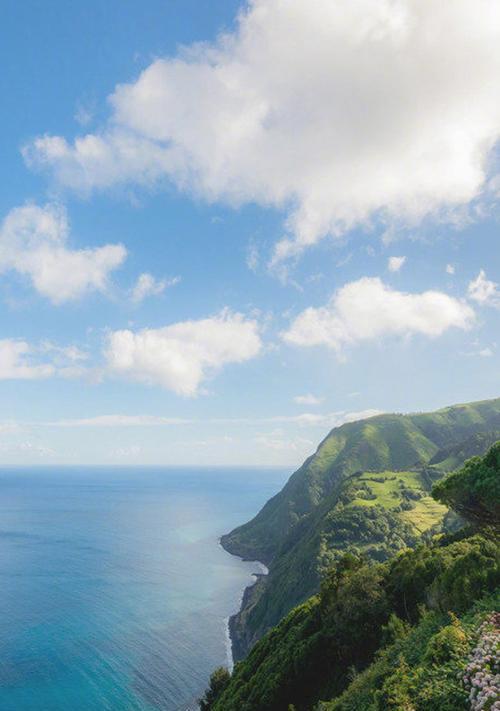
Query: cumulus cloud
x=34 y=243
x=147 y=285
x=16 y=362
x=67 y=360
x=308 y=399
x=484 y=291
x=336 y=111
x=181 y=356
x=394 y=264
x=450 y=269
x=20 y=360
x=63 y=354
x=367 y=309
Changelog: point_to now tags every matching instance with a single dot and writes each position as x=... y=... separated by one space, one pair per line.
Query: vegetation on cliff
x=366 y=490
x=322 y=644
x=418 y=631
x=474 y=490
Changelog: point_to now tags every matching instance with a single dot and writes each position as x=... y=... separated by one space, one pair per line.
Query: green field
x=390 y=490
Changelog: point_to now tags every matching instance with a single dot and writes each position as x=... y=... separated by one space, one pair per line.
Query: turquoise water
x=113 y=589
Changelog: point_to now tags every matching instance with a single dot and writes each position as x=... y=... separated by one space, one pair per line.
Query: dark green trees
x=474 y=490
x=219 y=679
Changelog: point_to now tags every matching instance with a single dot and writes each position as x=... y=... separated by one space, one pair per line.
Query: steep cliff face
x=366 y=488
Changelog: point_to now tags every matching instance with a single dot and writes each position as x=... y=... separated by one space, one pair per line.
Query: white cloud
x=9 y=427
x=338 y=112
x=146 y=285
x=308 y=399
x=67 y=360
x=16 y=362
x=484 y=291
x=305 y=419
x=181 y=356
x=83 y=114
x=121 y=421
x=252 y=257
x=278 y=442
x=360 y=415
x=482 y=351
x=20 y=360
x=33 y=242
x=132 y=451
x=63 y=354
x=367 y=309
x=450 y=269
x=394 y=264
x=327 y=419
x=27 y=447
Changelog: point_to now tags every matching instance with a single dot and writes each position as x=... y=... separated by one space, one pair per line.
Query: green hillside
x=321 y=645
x=452 y=457
x=366 y=489
x=422 y=667
x=418 y=632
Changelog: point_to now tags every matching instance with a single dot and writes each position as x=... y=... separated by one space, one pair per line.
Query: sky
x=227 y=227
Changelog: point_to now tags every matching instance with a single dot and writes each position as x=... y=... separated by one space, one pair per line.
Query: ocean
x=114 y=590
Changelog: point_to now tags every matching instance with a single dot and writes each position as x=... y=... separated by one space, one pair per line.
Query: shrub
x=449 y=644
x=474 y=490
x=218 y=682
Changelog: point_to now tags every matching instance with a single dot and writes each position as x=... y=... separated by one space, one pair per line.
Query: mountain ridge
x=367 y=487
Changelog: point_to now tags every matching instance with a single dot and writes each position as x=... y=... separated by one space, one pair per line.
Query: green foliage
x=454 y=455
x=448 y=644
x=315 y=651
x=355 y=612
x=381 y=633
x=219 y=679
x=366 y=490
x=422 y=671
x=395 y=629
x=444 y=578
x=474 y=490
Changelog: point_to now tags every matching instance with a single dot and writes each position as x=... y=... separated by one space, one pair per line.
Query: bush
x=450 y=644
x=218 y=682
x=474 y=490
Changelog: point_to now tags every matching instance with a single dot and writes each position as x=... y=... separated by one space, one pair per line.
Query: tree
x=218 y=682
x=474 y=490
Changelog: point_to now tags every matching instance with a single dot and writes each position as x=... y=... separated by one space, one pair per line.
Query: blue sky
x=228 y=227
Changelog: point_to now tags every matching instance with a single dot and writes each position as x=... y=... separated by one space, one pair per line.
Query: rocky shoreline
x=239 y=638
x=241 y=641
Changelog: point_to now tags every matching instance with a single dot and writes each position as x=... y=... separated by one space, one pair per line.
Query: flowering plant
x=482 y=674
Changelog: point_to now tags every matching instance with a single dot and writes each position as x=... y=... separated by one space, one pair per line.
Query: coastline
x=245 y=596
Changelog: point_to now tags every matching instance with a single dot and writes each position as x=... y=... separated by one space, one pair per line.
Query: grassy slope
x=452 y=457
x=366 y=486
x=390 y=442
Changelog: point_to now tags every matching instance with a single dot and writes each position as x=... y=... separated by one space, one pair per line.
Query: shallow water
x=113 y=589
